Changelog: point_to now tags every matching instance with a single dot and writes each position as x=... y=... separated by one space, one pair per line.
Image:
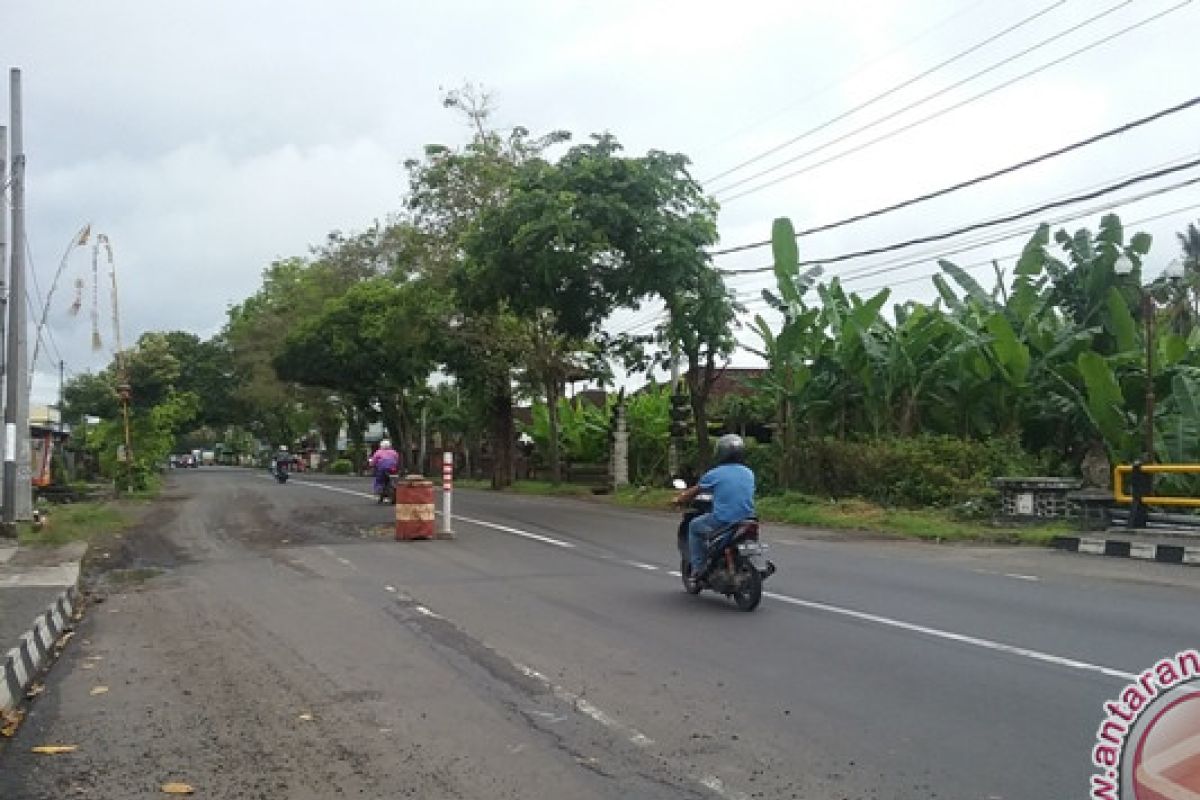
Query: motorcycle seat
x=726 y=532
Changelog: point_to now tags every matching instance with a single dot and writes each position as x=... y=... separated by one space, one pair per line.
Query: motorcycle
x=736 y=563
x=277 y=469
x=387 y=489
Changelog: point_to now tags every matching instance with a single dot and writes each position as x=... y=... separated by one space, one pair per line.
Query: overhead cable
x=887 y=93
x=941 y=112
x=937 y=237
x=1020 y=165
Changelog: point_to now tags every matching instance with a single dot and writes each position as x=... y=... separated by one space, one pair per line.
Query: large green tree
x=449 y=189
x=577 y=238
x=376 y=343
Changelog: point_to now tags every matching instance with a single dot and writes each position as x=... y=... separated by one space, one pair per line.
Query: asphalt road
x=259 y=640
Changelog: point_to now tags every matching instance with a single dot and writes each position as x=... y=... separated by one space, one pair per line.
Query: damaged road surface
x=257 y=640
x=225 y=651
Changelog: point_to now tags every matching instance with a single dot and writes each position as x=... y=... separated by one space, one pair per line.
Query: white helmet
x=385 y=443
x=283 y=448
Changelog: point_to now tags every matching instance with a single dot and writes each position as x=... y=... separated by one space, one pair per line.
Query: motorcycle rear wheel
x=750 y=595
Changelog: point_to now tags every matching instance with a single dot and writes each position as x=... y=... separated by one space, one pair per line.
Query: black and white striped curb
x=1124 y=548
x=22 y=663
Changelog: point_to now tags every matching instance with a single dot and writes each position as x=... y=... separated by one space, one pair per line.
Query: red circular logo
x=1166 y=762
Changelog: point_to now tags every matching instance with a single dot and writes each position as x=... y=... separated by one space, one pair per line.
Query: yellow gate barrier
x=1121 y=495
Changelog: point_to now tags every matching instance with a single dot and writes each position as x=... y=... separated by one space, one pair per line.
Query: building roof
x=735 y=381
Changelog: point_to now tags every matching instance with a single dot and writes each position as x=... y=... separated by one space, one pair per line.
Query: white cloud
x=209 y=138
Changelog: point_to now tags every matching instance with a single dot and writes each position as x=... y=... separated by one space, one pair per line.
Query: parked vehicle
x=736 y=563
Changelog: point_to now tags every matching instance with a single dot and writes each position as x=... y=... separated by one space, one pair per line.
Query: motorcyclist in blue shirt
x=731 y=484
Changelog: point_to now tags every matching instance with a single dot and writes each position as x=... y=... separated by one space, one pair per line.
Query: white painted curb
x=20 y=665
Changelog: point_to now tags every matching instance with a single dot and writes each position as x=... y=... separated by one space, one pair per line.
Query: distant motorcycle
x=278 y=470
x=736 y=562
x=387 y=486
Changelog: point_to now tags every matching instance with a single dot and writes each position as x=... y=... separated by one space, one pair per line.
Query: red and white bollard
x=447 y=530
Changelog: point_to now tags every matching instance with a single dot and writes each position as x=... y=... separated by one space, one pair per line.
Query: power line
x=921 y=101
x=937 y=237
x=839 y=81
x=1018 y=230
x=885 y=94
x=875 y=270
x=40 y=337
x=902 y=262
x=941 y=112
x=986 y=262
x=37 y=288
x=1029 y=162
x=762 y=304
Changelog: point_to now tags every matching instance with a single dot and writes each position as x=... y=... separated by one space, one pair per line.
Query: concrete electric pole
x=18 y=503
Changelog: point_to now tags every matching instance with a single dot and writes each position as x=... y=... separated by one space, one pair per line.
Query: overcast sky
x=207 y=139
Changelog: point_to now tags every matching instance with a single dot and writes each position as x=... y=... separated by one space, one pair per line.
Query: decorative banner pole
x=447 y=530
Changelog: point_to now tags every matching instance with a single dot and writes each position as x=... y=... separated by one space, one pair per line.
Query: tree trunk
x=787 y=443
x=700 y=417
x=552 y=418
x=503 y=439
x=423 y=446
x=908 y=417
x=393 y=428
x=329 y=429
x=356 y=429
x=700 y=382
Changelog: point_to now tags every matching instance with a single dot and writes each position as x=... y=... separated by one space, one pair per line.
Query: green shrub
x=764 y=460
x=342 y=466
x=915 y=472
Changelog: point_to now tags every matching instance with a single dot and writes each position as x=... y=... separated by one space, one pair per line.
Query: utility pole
x=5 y=531
x=17 y=500
x=673 y=445
x=62 y=369
x=3 y=243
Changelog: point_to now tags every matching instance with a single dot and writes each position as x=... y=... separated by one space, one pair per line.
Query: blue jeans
x=699 y=531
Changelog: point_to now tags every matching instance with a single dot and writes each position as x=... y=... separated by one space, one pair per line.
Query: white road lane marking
x=537 y=537
x=715 y=784
x=987 y=644
x=327 y=550
x=505 y=528
x=643 y=565
x=960 y=638
x=877 y=619
x=583 y=706
x=329 y=488
x=1014 y=575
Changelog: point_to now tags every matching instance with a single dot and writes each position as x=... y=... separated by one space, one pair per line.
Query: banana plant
x=790 y=353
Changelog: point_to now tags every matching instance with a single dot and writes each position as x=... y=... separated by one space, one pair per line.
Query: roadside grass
x=849 y=514
x=74 y=522
x=85 y=519
x=531 y=487
x=132 y=577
